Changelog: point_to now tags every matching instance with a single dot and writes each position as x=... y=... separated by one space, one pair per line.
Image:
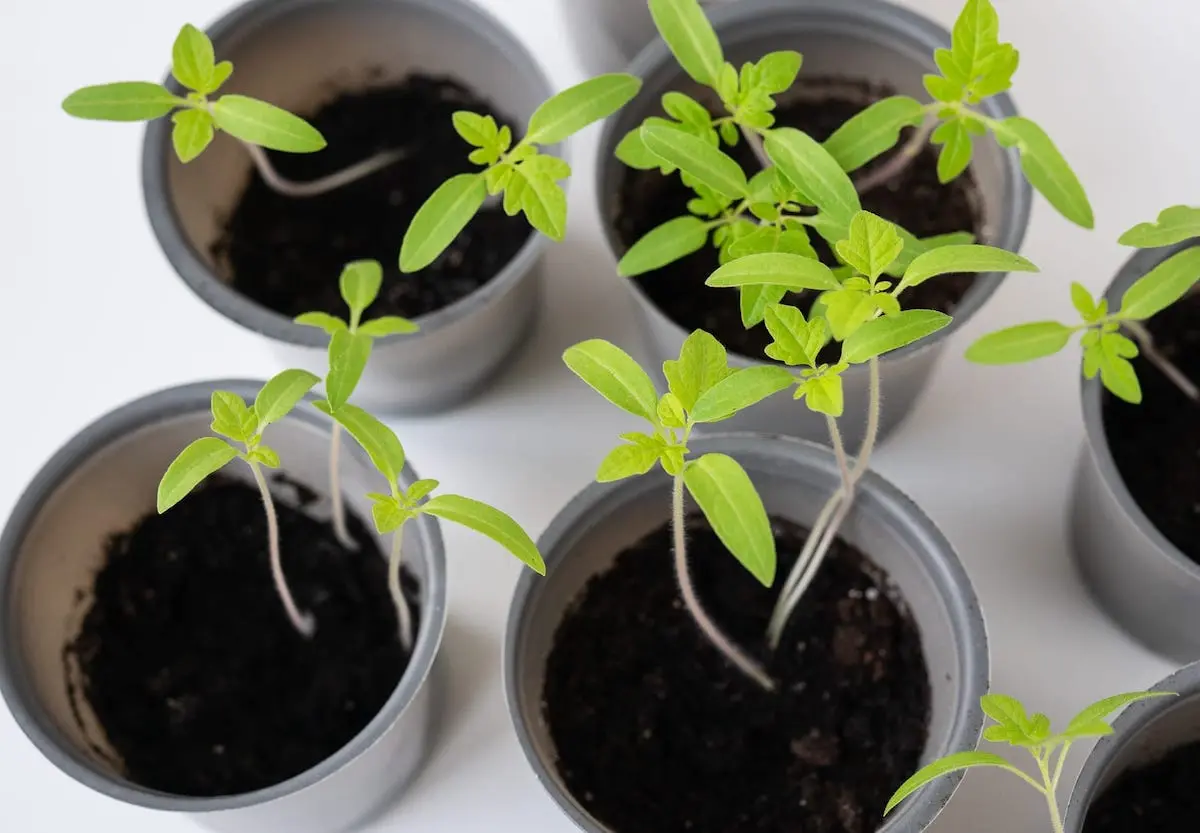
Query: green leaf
x=814 y=170
x=192 y=133
x=792 y=335
x=824 y=394
x=420 y=489
x=380 y=442
x=670 y=411
x=777 y=71
x=488 y=521
x=575 y=108
x=974 y=38
x=348 y=355
x=722 y=489
x=956 y=259
x=388 y=325
x=873 y=131
x=633 y=152
x=192 y=60
x=440 y=219
x=321 y=320
x=1083 y=302
x=1046 y=169
x=691 y=38
x=943 y=89
x=943 y=766
x=739 y=391
x=698 y=159
x=544 y=204
x=281 y=393
x=1161 y=286
x=231 y=417
x=795 y=272
x=882 y=335
x=478 y=131
x=1005 y=710
x=359 y=284
x=626 y=461
x=686 y=109
x=846 y=310
x=266 y=125
x=1112 y=353
x=194 y=463
x=1174 y=225
x=872 y=246
x=1091 y=722
x=265 y=455
x=702 y=363
x=388 y=515
x=1022 y=343
x=956 y=153
x=221 y=73
x=612 y=373
x=123 y=101
x=668 y=243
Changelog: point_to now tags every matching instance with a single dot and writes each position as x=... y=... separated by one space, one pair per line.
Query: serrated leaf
x=665 y=244
x=1094 y=716
x=686 y=109
x=995 y=74
x=265 y=125
x=739 y=391
x=196 y=462
x=626 y=461
x=1046 y=169
x=882 y=335
x=846 y=310
x=477 y=130
x=388 y=325
x=791 y=335
x=576 y=107
x=380 y=442
x=943 y=766
x=191 y=133
x=702 y=363
x=612 y=373
x=690 y=37
x=265 y=455
x=281 y=393
x=943 y=89
x=348 y=356
x=972 y=258
x=1162 y=286
x=814 y=171
x=388 y=515
x=192 y=60
x=728 y=499
x=795 y=272
x=359 y=284
x=1022 y=343
x=322 y=320
x=490 y=522
x=872 y=246
x=544 y=204
x=824 y=394
x=440 y=219
x=974 y=37
x=873 y=131
x=670 y=411
x=231 y=417
x=698 y=159
x=1174 y=225
x=122 y=101
x=1005 y=710
x=956 y=153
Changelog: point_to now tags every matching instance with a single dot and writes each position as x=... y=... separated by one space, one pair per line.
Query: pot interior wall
x=1172 y=727
x=109 y=491
x=302 y=55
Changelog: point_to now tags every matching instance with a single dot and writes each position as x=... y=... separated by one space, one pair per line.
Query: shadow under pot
x=1135 y=516
x=854 y=54
x=635 y=724
x=150 y=658
x=1143 y=777
x=373 y=77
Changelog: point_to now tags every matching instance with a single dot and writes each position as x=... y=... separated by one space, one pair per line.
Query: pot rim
x=188 y=264
x=23 y=702
x=944 y=566
x=1096 y=438
x=861 y=18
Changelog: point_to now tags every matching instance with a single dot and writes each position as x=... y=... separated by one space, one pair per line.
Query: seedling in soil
x=395 y=508
x=245 y=425
x=349 y=350
x=1106 y=350
x=1015 y=727
x=196 y=116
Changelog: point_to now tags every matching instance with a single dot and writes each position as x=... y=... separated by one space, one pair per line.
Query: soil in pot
x=1158 y=798
x=656 y=733
x=195 y=673
x=286 y=253
x=914 y=199
x=1156 y=444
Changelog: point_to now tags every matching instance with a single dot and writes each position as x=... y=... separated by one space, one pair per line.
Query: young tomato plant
x=235 y=421
x=196 y=116
x=350 y=344
x=1106 y=350
x=1015 y=727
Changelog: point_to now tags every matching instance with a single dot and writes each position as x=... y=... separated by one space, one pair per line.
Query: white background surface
x=94 y=316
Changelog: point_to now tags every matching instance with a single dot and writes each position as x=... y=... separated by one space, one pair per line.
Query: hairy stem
x=316 y=187
x=403 y=614
x=302 y=622
x=692 y=602
x=335 y=490
x=1051 y=797
x=898 y=161
x=1151 y=352
x=1058 y=767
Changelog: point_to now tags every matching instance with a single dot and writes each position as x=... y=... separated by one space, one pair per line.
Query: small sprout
x=1015 y=727
x=245 y=425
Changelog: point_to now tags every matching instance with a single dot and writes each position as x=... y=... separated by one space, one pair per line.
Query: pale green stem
x=1051 y=797
x=403 y=614
x=692 y=602
x=316 y=187
x=303 y=622
x=899 y=160
x=335 y=490
x=1058 y=767
x=1151 y=352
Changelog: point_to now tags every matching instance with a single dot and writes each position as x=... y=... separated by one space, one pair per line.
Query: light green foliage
x=1174 y=225
x=233 y=419
x=1020 y=730
x=873 y=131
x=702 y=388
x=195 y=118
x=527 y=178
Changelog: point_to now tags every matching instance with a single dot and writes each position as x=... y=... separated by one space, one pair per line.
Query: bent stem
x=899 y=161
x=335 y=490
x=403 y=614
x=692 y=602
x=1151 y=352
x=316 y=187
x=302 y=622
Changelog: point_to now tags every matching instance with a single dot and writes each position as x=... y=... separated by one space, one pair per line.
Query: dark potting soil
x=914 y=199
x=1156 y=444
x=656 y=733
x=194 y=671
x=1158 y=798
x=286 y=253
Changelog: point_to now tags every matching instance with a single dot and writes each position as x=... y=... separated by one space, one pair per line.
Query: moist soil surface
x=199 y=680
x=914 y=199
x=657 y=733
x=1156 y=445
x=286 y=253
x=1159 y=798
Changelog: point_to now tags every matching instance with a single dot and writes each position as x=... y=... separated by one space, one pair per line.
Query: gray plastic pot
x=298 y=54
x=101 y=482
x=1143 y=734
x=794 y=478
x=858 y=39
x=1141 y=579
x=607 y=34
